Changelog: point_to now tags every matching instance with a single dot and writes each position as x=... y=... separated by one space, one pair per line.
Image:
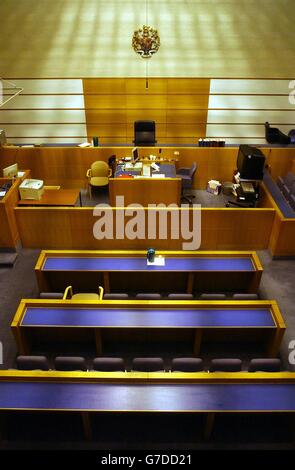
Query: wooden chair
x=69 y=295
x=98 y=176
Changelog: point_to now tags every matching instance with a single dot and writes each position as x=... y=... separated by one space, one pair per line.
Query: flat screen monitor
x=250 y=163
x=10 y=171
x=135 y=155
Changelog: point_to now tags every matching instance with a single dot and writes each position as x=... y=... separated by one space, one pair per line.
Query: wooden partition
x=282 y=239
x=9 y=235
x=67 y=166
x=145 y=191
x=72 y=228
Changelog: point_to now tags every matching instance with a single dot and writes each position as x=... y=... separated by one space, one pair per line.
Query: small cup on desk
x=95 y=141
x=150 y=255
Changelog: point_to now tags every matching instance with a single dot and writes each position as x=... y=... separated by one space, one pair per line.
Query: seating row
x=145 y=364
x=287 y=187
x=158 y=296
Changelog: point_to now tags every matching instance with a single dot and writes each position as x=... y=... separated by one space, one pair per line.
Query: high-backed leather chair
x=144 y=132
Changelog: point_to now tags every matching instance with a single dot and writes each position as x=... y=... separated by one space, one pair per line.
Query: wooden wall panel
x=179 y=107
x=182 y=101
x=67 y=166
x=158 y=115
x=187 y=86
x=9 y=235
x=111 y=101
x=63 y=228
x=185 y=130
x=104 y=85
x=280 y=161
x=138 y=86
x=145 y=191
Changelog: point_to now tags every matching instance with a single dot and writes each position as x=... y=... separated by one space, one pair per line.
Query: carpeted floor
x=19 y=282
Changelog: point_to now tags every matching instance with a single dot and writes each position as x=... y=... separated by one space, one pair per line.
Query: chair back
x=187 y=364
x=70 y=363
x=99 y=168
x=151 y=296
x=109 y=364
x=245 y=296
x=148 y=364
x=32 y=363
x=265 y=365
x=226 y=365
x=180 y=296
x=144 y=132
x=193 y=170
x=212 y=296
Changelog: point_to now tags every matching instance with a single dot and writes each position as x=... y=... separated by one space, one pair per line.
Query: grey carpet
x=113 y=432
x=19 y=282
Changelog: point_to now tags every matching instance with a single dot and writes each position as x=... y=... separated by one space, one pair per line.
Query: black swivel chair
x=144 y=133
x=187 y=179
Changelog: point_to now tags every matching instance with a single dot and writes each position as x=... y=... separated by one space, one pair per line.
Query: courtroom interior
x=147 y=224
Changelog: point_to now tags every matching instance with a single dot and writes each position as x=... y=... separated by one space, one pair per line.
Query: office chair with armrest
x=98 y=175
x=112 y=164
x=69 y=295
x=144 y=133
x=187 y=179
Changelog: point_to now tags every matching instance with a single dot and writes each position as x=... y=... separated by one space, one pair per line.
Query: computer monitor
x=10 y=171
x=135 y=155
x=250 y=163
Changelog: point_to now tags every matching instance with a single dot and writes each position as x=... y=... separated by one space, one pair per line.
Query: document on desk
x=136 y=166
x=158 y=175
x=146 y=170
x=158 y=261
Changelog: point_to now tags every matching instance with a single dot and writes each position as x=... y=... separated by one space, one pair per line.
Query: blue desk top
x=149 y=318
x=152 y=397
x=140 y=264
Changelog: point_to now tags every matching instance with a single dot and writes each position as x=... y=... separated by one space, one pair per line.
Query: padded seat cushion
x=99 y=181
